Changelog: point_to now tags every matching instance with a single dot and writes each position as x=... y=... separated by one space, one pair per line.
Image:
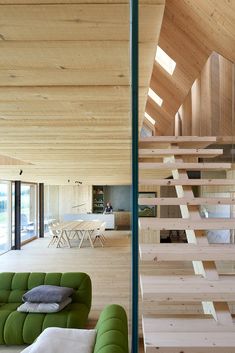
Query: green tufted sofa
x=18 y=328
x=112 y=331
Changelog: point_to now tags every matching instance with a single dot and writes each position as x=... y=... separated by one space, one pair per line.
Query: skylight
x=149 y=118
x=155 y=97
x=165 y=61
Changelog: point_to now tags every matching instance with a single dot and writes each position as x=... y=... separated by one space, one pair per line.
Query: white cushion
x=28 y=307
x=63 y=340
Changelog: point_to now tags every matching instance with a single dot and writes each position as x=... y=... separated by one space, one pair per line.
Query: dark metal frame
x=134 y=49
x=17 y=245
x=41 y=209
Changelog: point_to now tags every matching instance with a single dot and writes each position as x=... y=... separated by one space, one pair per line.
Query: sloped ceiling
x=191 y=31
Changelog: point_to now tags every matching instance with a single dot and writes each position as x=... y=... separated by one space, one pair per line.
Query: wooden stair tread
x=192 y=182
x=184 y=224
x=179 y=141
x=188 y=335
x=187 y=288
x=186 y=166
x=175 y=139
x=187 y=252
x=185 y=323
x=197 y=152
x=187 y=201
x=196 y=342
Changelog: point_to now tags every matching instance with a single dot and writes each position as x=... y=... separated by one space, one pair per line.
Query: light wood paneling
x=74 y=21
x=72 y=196
x=185 y=112
x=122 y=219
x=191 y=31
x=210 y=101
x=65 y=87
x=4 y=160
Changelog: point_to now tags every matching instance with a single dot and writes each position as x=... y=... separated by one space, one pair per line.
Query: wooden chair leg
x=89 y=234
x=82 y=239
x=98 y=237
x=51 y=242
x=101 y=242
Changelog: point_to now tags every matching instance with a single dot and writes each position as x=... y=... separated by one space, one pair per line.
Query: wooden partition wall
x=209 y=105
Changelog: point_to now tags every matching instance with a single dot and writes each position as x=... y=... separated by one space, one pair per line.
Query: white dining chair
x=99 y=234
x=54 y=236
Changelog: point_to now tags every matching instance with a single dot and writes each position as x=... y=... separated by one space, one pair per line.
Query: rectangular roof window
x=155 y=97
x=149 y=118
x=165 y=61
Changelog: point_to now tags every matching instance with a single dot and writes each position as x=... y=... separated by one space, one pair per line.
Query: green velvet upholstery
x=18 y=328
x=112 y=331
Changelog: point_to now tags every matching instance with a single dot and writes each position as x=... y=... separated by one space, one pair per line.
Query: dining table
x=81 y=229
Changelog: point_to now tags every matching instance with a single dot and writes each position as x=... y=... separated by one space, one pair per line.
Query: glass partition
x=5 y=216
x=51 y=206
x=29 y=222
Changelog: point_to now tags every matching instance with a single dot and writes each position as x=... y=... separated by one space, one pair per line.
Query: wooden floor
x=108 y=267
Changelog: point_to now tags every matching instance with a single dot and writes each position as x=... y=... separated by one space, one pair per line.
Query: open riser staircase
x=213 y=331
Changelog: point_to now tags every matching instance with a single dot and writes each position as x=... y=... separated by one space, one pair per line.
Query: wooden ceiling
x=65 y=88
x=191 y=31
x=65 y=80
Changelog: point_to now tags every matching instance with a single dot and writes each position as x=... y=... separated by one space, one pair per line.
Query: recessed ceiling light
x=149 y=118
x=155 y=97
x=165 y=61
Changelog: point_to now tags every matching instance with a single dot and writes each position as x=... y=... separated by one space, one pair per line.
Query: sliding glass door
x=5 y=216
x=29 y=221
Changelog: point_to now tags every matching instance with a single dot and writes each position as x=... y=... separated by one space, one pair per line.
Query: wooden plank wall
x=65 y=88
x=60 y=199
x=208 y=108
